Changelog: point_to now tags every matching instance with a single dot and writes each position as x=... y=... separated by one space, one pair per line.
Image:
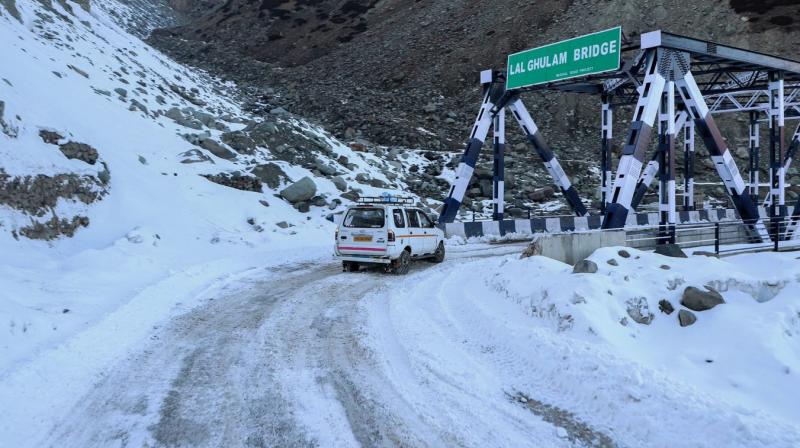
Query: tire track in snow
x=281 y=362
x=202 y=381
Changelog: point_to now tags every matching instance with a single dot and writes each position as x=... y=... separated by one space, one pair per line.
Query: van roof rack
x=385 y=200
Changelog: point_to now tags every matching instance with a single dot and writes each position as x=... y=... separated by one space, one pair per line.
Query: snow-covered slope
x=111 y=143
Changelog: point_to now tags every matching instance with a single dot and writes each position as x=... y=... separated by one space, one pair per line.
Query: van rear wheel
x=438 y=256
x=350 y=266
x=402 y=264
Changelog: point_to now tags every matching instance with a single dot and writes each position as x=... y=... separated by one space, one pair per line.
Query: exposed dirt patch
x=576 y=430
x=37 y=195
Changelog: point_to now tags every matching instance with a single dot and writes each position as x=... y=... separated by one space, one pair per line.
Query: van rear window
x=364 y=218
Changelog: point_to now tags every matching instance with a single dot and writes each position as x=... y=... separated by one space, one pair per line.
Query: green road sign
x=579 y=56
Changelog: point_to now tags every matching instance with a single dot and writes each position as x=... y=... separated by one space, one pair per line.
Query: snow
x=487 y=329
x=455 y=343
x=161 y=223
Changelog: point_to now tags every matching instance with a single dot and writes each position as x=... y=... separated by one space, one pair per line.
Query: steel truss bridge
x=675 y=85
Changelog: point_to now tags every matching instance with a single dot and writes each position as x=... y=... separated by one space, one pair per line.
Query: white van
x=389 y=231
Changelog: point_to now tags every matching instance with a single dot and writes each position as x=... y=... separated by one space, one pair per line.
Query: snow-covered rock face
x=81 y=97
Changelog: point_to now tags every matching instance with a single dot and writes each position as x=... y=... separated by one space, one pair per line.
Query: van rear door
x=363 y=232
x=416 y=233
x=428 y=232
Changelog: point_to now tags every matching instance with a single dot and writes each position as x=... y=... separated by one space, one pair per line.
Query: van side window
x=424 y=220
x=399 y=218
x=413 y=221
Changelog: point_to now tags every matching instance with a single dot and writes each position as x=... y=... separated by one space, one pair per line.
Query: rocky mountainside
x=95 y=124
x=401 y=73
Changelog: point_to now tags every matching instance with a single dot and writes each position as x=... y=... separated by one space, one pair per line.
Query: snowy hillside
x=116 y=173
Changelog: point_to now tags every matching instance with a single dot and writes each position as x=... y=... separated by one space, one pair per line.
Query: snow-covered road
x=278 y=362
x=305 y=355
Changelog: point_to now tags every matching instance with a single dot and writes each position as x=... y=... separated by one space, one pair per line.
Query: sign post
x=580 y=56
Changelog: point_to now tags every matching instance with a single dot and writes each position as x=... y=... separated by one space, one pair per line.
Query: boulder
x=699 y=300
x=541 y=194
x=215 y=148
x=324 y=168
x=639 y=310
x=137 y=105
x=269 y=173
x=624 y=253
x=686 y=318
x=377 y=183
x=80 y=151
x=300 y=191
x=203 y=117
x=237 y=181
x=279 y=111
x=177 y=116
x=49 y=137
x=351 y=195
x=174 y=114
x=260 y=132
x=194 y=156
x=665 y=306
x=482 y=173
x=584 y=267
x=340 y=183
x=670 y=250
x=239 y=141
x=613 y=262
x=533 y=249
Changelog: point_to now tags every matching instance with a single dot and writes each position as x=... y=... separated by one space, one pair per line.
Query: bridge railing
x=723 y=237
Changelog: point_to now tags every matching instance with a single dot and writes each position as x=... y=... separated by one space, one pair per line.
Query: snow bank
x=531 y=328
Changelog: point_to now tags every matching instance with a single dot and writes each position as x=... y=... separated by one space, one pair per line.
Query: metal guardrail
x=726 y=237
x=530 y=213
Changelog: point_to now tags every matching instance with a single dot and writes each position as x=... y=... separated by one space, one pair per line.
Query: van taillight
x=390 y=237
x=337 y=234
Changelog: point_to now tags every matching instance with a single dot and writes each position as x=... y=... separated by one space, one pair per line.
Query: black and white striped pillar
x=754 y=154
x=606 y=145
x=467 y=165
x=652 y=169
x=546 y=154
x=791 y=151
x=499 y=147
x=666 y=162
x=777 y=175
x=718 y=149
x=636 y=142
x=688 y=165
